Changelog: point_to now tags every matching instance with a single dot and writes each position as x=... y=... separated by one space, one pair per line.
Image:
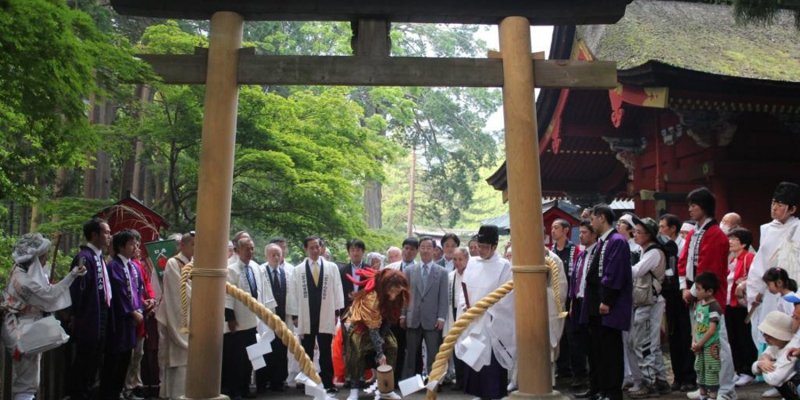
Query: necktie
x=251 y=280
x=106 y=283
x=424 y=276
x=276 y=283
x=315 y=273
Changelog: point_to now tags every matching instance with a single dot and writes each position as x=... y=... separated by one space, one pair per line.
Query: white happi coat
x=455 y=297
x=173 y=346
x=496 y=328
x=245 y=318
x=780 y=247
x=332 y=296
x=556 y=323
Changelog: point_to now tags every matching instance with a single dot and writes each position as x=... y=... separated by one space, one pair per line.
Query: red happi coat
x=712 y=257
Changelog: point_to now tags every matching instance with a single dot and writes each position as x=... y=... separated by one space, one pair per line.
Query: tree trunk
x=137 y=186
x=90 y=172
x=372 y=204
x=411 y=189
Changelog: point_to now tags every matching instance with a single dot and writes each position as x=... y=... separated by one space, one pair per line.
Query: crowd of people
x=702 y=281
x=627 y=279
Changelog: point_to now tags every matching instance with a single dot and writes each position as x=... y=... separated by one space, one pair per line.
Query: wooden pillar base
x=554 y=395
x=220 y=397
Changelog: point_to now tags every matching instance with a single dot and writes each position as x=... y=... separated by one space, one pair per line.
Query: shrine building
x=700 y=101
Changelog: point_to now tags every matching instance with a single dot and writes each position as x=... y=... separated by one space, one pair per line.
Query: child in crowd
x=778 y=282
x=777 y=363
x=706 y=341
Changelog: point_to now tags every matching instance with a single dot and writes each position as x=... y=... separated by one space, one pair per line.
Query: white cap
x=686 y=227
x=778 y=325
x=627 y=218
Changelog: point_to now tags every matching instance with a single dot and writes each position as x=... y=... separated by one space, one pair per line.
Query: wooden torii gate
x=226 y=65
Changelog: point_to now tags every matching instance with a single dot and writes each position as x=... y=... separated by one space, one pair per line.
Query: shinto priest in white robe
x=780 y=247
x=496 y=328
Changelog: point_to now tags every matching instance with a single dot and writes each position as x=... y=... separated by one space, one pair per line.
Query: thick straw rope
x=439 y=367
x=281 y=330
x=186 y=274
x=265 y=314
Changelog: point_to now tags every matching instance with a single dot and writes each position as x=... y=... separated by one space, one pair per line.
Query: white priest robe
x=332 y=297
x=455 y=297
x=556 y=322
x=173 y=345
x=495 y=330
x=780 y=247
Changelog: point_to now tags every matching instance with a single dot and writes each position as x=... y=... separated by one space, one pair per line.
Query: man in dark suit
x=424 y=318
x=355 y=249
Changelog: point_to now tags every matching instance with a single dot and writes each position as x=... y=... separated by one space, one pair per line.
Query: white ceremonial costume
x=556 y=319
x=495 y=329
x=332 y=297
x=29 y=294
x=245 y=318
x=455 y=296
x=173 y=340
x=780 y=247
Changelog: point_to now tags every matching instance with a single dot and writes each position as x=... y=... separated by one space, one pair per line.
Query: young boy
x=706 y=341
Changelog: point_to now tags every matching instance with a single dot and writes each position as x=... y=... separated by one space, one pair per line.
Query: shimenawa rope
x=265 y=314
x=439 y=367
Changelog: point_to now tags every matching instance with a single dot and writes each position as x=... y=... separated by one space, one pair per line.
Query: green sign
x=159 y=252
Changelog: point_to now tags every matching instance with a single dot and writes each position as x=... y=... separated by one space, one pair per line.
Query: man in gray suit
x=424 y=318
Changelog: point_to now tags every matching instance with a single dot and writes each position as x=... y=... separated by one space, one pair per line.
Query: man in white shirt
x=450 y=243
x=579 y=334
x=240 y=322
x=313 y=301
x=455 y=296
x=648 y=307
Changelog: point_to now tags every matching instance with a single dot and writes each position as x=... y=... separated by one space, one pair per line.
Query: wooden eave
x=540 y=12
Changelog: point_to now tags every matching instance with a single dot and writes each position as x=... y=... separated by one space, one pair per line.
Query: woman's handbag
x=41 y=335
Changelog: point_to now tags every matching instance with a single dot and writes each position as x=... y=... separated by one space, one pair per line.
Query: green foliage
x=762 y=12
x=6 y=262
x=52 y=58
x=68 y=214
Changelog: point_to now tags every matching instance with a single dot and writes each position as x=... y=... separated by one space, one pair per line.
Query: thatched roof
x=698 y=36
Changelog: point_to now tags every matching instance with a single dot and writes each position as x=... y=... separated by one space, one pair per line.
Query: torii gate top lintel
x=539 y=12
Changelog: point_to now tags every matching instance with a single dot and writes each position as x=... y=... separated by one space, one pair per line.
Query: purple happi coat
x=615 y=284
x=125 y=300
x=88 y=299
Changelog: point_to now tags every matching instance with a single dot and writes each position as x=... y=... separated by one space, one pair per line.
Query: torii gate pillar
x=525 y=209
x=214 y=205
